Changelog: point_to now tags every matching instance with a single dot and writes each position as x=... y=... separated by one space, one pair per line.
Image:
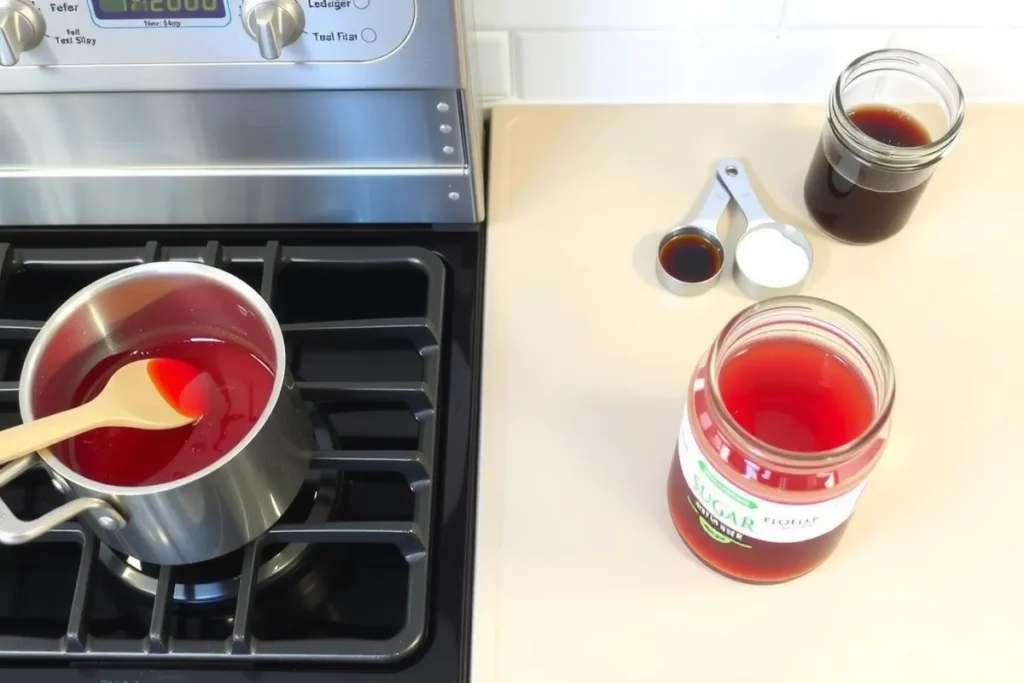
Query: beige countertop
x=580 y=575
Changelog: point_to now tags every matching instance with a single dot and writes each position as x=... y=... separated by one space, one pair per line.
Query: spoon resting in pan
x=156 y=393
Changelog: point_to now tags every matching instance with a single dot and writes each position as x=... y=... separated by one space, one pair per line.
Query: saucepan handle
x=14 y=531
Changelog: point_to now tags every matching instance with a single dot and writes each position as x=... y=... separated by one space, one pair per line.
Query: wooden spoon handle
x=46 y=431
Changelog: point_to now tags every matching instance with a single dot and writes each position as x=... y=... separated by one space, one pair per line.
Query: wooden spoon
x=156 y=393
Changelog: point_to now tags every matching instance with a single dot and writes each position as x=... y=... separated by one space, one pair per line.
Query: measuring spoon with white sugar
x=772 y=258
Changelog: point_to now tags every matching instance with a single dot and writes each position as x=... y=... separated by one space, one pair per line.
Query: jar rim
x=765 y=450
x=881 y=153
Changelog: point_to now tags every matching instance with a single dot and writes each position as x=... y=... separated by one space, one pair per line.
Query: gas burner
x=218 y=579
x=382 y=343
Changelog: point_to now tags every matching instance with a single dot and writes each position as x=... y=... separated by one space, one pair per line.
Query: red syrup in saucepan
x=238 y=388
x=182 y=385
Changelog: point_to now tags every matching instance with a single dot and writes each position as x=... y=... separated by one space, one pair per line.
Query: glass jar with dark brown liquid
x=892 y=116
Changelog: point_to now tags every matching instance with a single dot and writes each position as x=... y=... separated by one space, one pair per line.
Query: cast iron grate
x=322 y=296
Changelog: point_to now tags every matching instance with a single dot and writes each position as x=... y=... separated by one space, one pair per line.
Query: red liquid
x=137 y=457
x=185 y=387
x=793 y=395
x=844 y=207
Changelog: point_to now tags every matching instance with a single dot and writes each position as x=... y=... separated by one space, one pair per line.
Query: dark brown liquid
x=846 y=209
x=890 y=125
x=690 y=258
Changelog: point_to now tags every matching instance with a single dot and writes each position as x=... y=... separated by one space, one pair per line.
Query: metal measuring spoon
x=772 y=258
x=691 y=255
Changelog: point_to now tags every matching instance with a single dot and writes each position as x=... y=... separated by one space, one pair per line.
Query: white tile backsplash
x=729 y=66
x=627 y=14
x=732 y=50
x=607 y=66
x=985 y=62
x=901 y=13
x=495 y=67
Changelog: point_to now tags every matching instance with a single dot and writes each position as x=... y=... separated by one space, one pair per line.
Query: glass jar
x=892 y=115
x=786 y=415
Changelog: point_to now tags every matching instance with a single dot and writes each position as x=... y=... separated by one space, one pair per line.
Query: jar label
x=731 y=515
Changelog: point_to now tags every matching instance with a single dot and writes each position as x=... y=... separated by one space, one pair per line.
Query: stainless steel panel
x=398 y=139
x=310 y=129
x=238 y=157
x=200 y=196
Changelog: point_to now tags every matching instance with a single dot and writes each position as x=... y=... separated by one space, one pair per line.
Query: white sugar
x=768 y=258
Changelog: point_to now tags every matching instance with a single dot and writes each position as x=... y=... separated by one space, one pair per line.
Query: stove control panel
x=122 y=32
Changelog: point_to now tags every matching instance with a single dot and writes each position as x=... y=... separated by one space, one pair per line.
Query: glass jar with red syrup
x=892 y=116
x=787 y=413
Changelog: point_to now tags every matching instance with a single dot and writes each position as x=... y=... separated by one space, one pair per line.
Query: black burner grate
x=363 y=328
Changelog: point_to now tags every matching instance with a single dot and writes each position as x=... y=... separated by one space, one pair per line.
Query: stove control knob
x=273 y=24
x=22 y=27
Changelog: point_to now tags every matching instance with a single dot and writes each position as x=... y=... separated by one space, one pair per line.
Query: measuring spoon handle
x=733 y=175
x=710 y=211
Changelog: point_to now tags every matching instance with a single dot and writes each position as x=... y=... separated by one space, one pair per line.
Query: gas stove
x=330 y=154
x=367 y=575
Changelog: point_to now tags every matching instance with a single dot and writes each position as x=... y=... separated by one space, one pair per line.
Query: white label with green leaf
x=730 y=515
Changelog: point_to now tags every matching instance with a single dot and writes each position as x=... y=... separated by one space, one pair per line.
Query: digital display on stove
x=159 y=9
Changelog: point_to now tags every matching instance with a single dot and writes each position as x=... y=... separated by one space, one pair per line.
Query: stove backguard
x=369 y=117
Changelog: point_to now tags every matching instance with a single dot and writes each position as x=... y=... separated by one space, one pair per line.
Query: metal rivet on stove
x=108 y=523
x=442 y=107
x=445 y=128
x=454 y=196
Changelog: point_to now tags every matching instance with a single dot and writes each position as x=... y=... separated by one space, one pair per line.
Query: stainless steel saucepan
x=206 y=514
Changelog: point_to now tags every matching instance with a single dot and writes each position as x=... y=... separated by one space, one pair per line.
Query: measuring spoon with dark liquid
x=691 y=255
